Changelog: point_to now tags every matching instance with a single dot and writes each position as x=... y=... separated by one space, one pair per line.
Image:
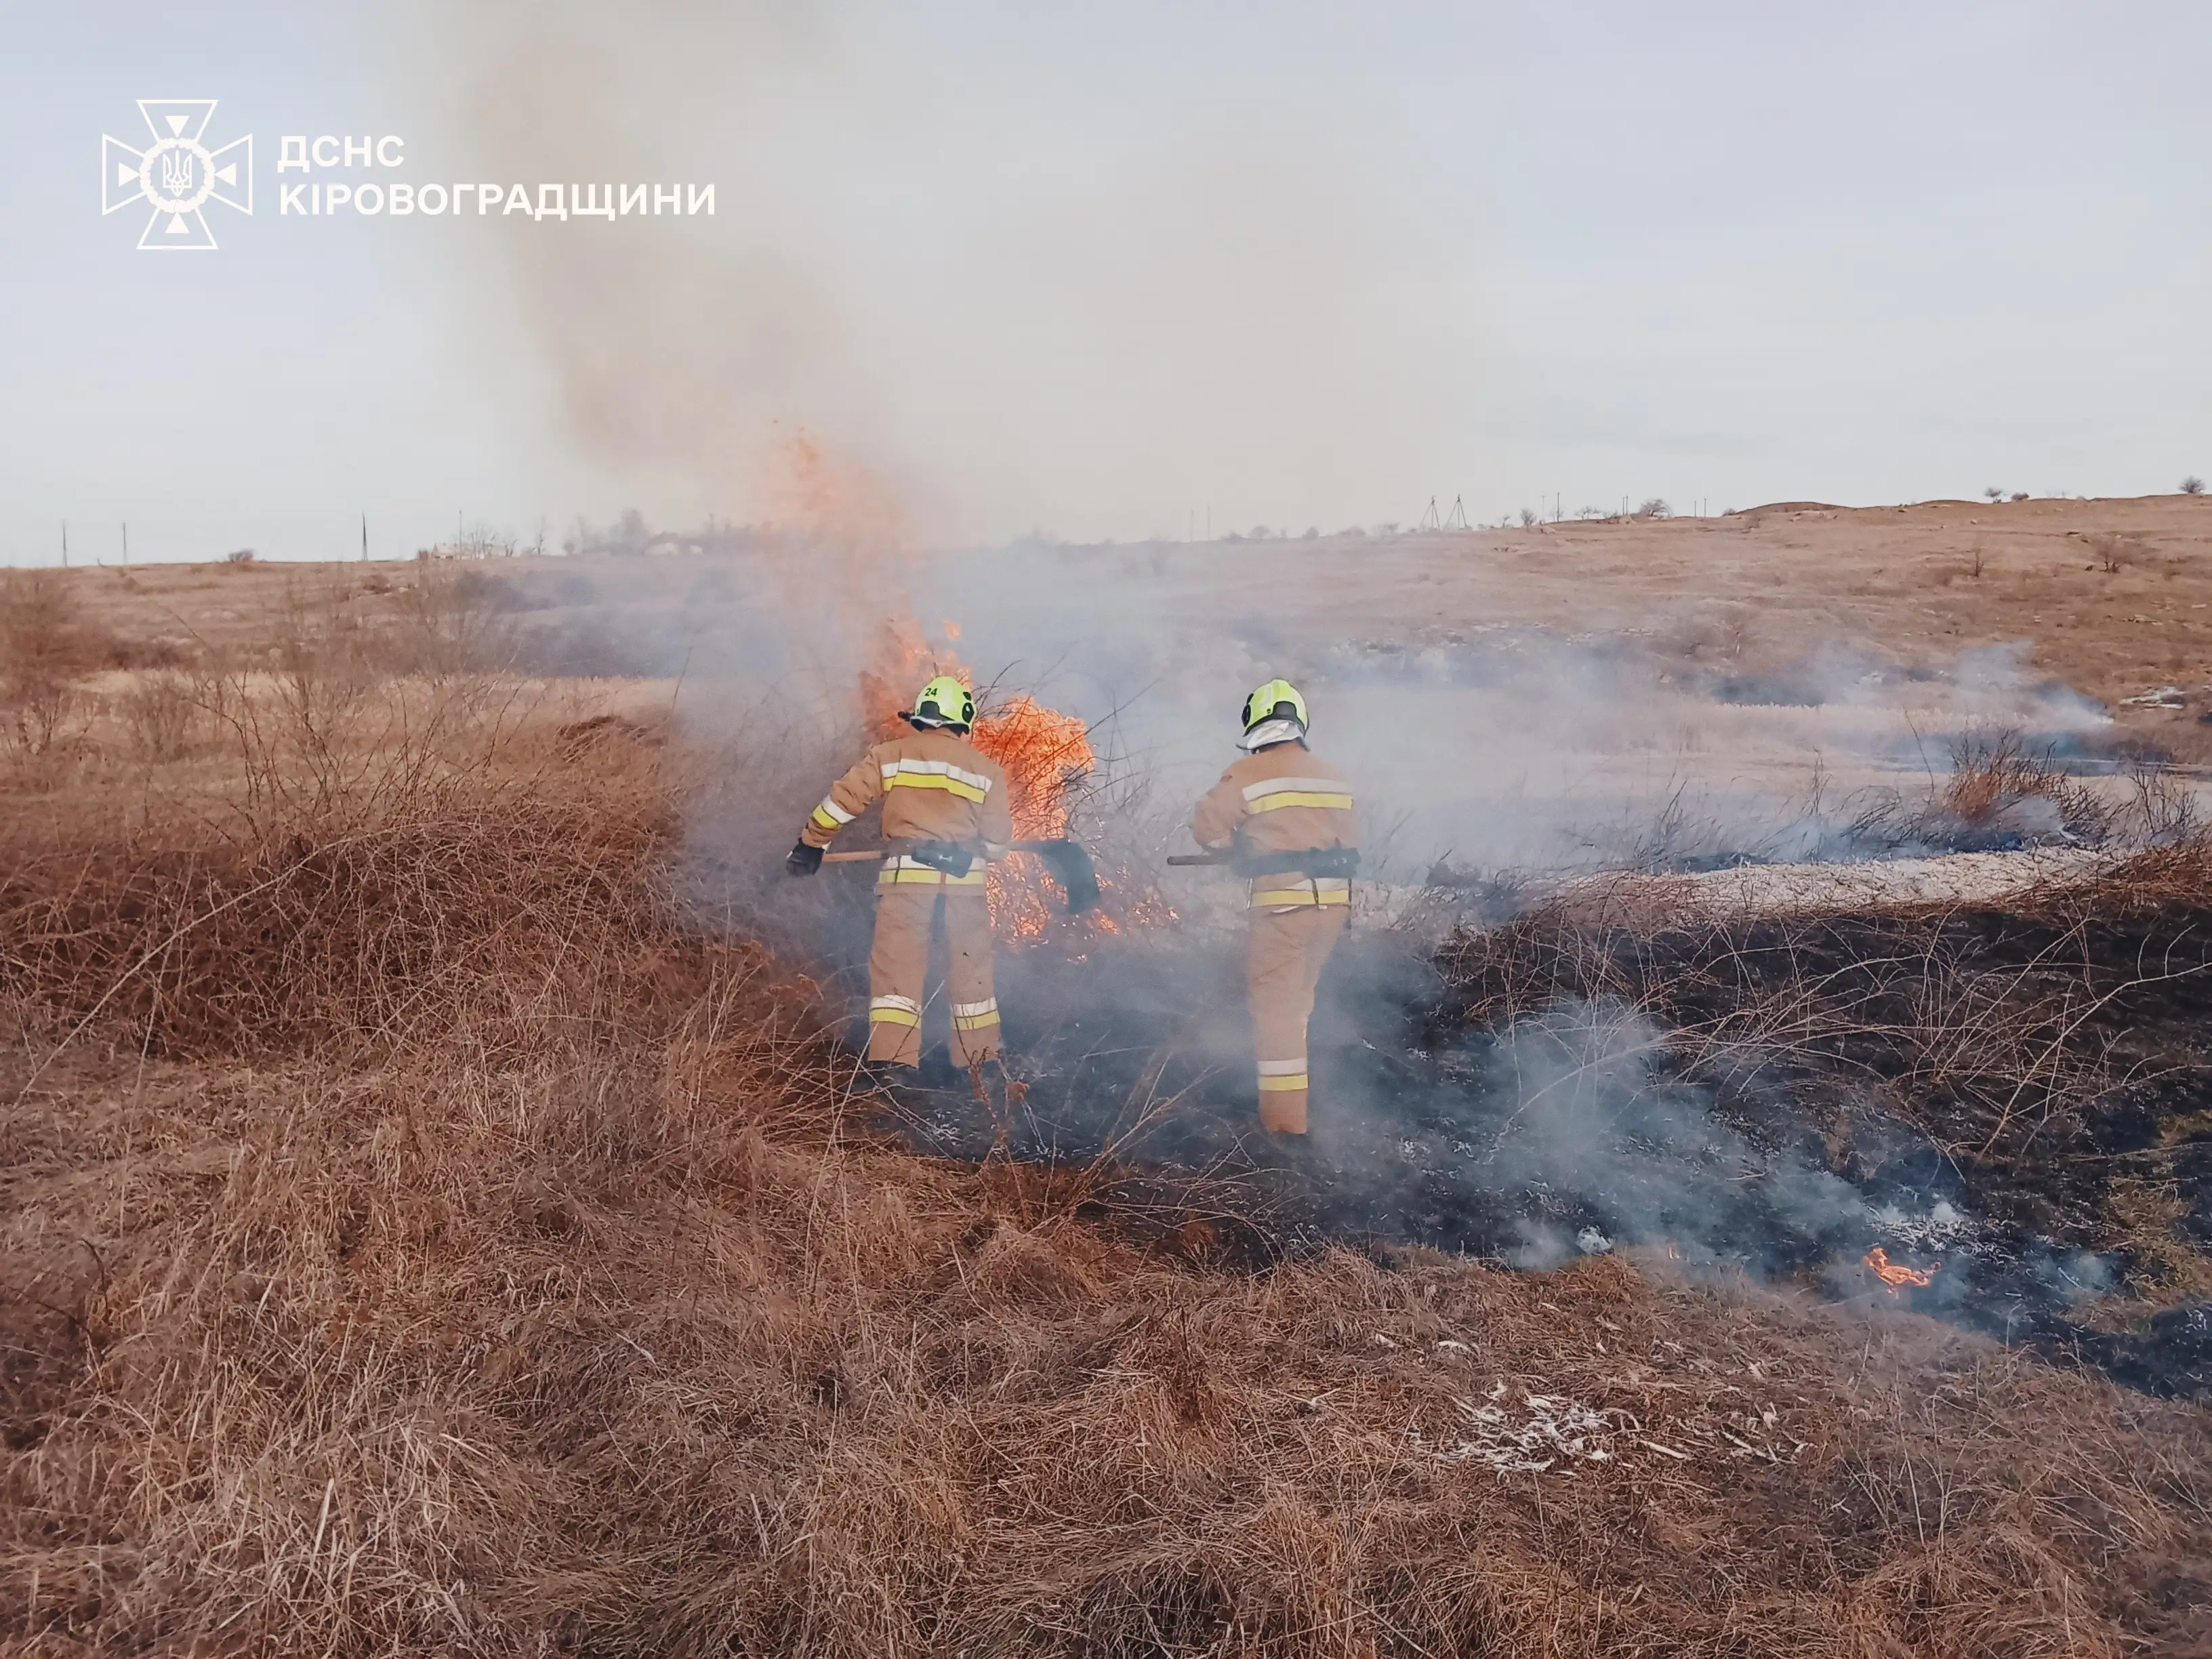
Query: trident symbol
x=177 y=175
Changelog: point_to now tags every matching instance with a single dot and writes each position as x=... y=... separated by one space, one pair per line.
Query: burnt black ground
x=1424 y=1133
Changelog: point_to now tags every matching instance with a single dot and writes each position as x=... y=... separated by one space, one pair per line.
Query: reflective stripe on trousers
x=898 y=967
x=1284 y=953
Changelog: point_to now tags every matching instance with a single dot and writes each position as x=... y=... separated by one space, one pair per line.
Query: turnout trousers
x=899 y=963
x=1284 y=953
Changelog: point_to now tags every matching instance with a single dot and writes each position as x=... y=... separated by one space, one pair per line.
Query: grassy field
x=419 y=1231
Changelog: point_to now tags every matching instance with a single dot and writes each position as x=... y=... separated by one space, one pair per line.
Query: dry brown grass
x=417 y=1240
x=1984 y=1027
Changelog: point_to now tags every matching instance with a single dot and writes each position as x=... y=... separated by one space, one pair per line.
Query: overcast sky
x=1107 y=271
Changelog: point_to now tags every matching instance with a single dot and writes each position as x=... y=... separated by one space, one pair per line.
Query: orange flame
x=1045 y=753
x=1895 y=1275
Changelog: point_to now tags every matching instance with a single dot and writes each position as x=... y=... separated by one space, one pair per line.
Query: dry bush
x=1723 y=633
x=163 y=712
x=1993 y=773
x=2114 y=552
x=46 y=645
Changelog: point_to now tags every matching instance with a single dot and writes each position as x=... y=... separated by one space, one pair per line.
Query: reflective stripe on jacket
x=935 y=786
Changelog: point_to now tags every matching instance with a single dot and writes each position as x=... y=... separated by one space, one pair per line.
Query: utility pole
x=64 y=543
x=126 y=541
x=364 y=539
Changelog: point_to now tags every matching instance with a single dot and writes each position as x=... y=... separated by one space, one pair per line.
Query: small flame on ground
x=1895 y=1275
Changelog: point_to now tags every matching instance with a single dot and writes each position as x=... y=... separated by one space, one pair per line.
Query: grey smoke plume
x=1015 y=307
x=1568 y=1121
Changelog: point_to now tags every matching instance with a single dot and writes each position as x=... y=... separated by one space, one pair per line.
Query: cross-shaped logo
x=177 y=173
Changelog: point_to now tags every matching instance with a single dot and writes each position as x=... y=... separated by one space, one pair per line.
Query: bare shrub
x=482 y=541
x=1721 y=633
x=2114 y=552
x=1993 y=772
x=46 y=646
x=238 y=555
x=163 y=712
x=2162 y=806
x=2018 y=495
x=1527 y=519
x=1995 y=492
x=2192 y=485
x=1655 y=507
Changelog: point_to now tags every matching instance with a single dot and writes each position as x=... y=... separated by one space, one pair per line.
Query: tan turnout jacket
x=935 y=786
x=1283 y=799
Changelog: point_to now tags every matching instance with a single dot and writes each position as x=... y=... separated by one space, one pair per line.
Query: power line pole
x=364 y=539
x=126 y=541
x=64 y=543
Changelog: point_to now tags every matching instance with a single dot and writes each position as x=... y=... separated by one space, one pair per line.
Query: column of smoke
x=723 y=374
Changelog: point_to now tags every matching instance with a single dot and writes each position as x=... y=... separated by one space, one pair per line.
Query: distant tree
x=1526 y=518
x=241 y=555
x=1995 y=492
x=1313 y=533
x=2019 y=494
x=2192 y=485
x=1654 y=507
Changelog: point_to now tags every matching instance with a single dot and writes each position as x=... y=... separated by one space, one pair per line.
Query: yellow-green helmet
x=944 y=702
x=1278 y=700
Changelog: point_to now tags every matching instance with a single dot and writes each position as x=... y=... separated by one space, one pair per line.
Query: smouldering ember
x=1895 y=1275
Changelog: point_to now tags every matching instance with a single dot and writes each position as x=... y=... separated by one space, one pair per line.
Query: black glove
x=802 y=860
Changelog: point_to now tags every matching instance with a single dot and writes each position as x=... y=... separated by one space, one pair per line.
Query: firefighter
x=945 y=815
x=1285 y=816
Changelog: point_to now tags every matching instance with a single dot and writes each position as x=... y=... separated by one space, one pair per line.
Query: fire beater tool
x=1340 y=862
x=1069 y=860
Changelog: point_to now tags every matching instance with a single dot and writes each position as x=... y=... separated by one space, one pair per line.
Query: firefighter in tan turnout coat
x=945 y=815
x=1286 y=815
